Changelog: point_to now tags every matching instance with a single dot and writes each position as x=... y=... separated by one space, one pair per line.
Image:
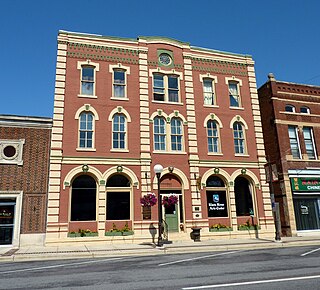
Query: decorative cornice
x=102 y=57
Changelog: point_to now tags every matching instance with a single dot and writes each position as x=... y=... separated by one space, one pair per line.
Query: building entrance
x=7 y=210
x=307 y=213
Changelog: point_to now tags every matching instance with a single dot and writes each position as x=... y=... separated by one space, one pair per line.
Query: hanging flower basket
x=170 y=200
x=148 y=200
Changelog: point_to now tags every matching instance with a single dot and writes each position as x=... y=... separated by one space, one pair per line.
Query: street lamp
x=158 y=170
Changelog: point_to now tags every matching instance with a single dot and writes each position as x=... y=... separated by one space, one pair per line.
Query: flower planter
x=246 y=228
x=195 y=234
x=220 y=229
x=76 y=235
x=115 y=233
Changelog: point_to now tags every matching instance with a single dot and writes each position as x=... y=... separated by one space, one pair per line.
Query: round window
x=9 y=151
x=165 y=59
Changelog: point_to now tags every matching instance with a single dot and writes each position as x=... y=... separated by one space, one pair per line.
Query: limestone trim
x=177 y=172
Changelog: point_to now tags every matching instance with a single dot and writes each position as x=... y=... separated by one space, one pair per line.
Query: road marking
x=59 y=266
x=252 y=282
x=310 y=252
x=197 y=258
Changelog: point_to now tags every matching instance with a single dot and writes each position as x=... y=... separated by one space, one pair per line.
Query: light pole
x=158 y=170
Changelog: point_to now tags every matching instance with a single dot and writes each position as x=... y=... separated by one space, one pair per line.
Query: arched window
x=243 y=196
x=83 y=199
x=213 y=137
x=119 y=131
x=216 y=197
x=159 y=129
x=290 y=108
x=86 y=122
x=304 y=110
x=176 y=134
x=118 y=197
x=239 y=138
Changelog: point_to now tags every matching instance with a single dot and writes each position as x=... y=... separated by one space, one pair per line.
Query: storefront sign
x=217 y=204
x=305 y=184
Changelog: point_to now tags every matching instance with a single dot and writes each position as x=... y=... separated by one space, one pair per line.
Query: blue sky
x=283 y=36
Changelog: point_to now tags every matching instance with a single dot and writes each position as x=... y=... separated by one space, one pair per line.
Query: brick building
x=122 y=106
x=24 y=172
x=290 y=116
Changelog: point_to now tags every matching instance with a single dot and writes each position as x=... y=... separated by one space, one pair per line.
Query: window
x=208 y=92
x=159 y=129
x=304 y=110
x=290 y=108
x=176 y=134
x=309 y=142
x=239 y=138
x=234 y=94
x=165 y=88
x=118 y=197
x=119 y=132
x=119 y=83
x=213 y=137
x=86 y=130
x=243 y=197
x=83 y=199
x=87 y=80
x=216 y=197
x=11 y=151
x=294 y=142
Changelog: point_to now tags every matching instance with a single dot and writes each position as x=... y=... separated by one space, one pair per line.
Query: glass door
x=307 y=213
x=7 y=208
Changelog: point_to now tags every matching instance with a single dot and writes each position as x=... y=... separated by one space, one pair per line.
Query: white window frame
x=166 y=74
x=160 y=134
x=177 y=136
x=95 y=67
x=293 y=108
x=243 y=139
x=307 y=110
x=214 y=81
x=17 y=157
x=125 y=132
x=217 y=137
x=126 y=70
x=312 y=143
x=296 y=139
x=238 y=82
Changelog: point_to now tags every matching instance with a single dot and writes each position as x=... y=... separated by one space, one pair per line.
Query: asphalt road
x=280 y=268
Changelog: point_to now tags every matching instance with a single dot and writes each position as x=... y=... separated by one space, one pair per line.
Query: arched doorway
x=118 y=197
x=172 y=213
x=244 y=197
x=83 y=199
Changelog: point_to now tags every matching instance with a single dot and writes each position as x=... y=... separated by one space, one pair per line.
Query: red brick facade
x=287 y=105
x=28 y=178
x=188 y=168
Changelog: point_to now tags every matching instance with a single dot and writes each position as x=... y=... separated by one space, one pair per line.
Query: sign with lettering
x=305 y=184
x=217 y=204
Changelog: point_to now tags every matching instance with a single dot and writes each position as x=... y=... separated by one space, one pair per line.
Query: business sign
x=217 y=204
x=305 y=184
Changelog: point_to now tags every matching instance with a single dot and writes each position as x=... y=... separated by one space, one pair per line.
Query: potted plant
x=170 y=200
x=219 y=227
x=125 y=231
x=147 y=201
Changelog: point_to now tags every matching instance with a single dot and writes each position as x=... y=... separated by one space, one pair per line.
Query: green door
x=171 y=218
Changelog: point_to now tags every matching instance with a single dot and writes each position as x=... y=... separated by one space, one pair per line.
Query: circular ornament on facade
x=165 y=59
x=9 y=152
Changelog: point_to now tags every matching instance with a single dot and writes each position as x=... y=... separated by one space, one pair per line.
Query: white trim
x=95 y=66
x=126 y=70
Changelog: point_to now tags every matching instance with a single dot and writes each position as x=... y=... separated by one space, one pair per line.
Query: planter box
x=75 y=235
x=112 y=234
x=251 y=228
x=220 y=230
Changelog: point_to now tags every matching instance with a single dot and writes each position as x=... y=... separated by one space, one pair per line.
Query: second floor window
x=165 y=88
x=159 y=128
x=294 y=142
x=234 y=94
x=309 y=142
x=239 y=138
x=86 y=130
x=208 y=92
x=176 y=134
x=87 y=80
x=213 y=137
x=119 y=83
x=119 y=132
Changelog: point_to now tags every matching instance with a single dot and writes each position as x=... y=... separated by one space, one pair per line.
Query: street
x=276 y=268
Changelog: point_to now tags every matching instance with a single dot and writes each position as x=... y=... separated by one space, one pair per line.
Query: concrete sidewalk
x=110 y=249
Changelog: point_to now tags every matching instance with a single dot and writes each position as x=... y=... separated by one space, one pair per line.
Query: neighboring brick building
x=24 y=169
x=290 y=115
x=123 y=105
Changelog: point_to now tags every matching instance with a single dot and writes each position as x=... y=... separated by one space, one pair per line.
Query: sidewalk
x=110 y=249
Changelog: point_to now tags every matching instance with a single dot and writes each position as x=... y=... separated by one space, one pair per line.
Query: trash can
x=195 y=234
